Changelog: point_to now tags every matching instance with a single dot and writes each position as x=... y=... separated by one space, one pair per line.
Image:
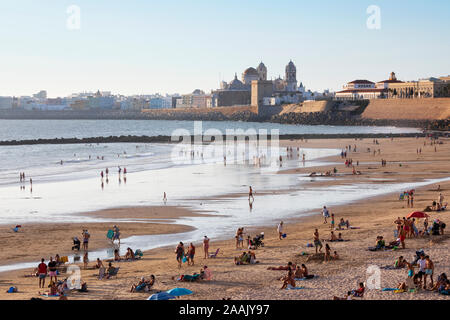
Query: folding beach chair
x=214 y=255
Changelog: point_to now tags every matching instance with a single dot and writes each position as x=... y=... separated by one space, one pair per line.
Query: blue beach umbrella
x=161 y=296
x=179 y=292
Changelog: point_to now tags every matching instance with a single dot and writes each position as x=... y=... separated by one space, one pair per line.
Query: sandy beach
x=374 y=216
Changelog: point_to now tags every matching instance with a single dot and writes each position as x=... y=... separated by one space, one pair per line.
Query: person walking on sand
x=280 y=230
x=326 y=214
x=250 y=194
x=317 y=242
x=165 y=198
x=206 y=246
x=332 y=221
x=42 y=272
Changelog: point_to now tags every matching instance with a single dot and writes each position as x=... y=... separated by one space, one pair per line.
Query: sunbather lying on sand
x=348 y=296
x=188 y=278
x=289 y=266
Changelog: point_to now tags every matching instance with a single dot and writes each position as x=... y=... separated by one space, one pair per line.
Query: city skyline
x=138 y=48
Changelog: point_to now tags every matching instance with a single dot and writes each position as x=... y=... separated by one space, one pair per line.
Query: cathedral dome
x=236 y=84
x=250 y=72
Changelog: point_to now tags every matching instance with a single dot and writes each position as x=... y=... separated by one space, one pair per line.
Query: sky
x=147 y=46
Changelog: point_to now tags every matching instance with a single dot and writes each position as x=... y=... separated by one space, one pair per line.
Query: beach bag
x=284 y=235
x=184 y=259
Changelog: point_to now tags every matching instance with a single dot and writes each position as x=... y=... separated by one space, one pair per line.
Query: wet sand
x=374 y=216
x=36 y=241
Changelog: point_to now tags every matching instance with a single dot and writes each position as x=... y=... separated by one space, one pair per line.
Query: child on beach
x=327 y=256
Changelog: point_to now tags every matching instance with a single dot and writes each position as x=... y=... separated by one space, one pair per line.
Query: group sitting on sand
x=246 y=258
x=143 y=285
x=294 y=273
x=129 y=256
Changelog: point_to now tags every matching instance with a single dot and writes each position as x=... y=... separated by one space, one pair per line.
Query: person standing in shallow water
x=250 y=194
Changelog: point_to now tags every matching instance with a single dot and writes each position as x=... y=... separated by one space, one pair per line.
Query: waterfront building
x=160 y=102
x=423 y=88
x=6 y=102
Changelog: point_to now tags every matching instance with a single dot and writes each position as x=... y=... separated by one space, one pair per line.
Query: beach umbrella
x=179 y=292
x=161 y=296
x=417 y=214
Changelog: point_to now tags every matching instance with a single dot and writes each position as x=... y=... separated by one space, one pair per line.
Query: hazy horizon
x=149 y=47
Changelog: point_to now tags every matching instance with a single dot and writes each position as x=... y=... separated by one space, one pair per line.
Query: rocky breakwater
x=350 y=119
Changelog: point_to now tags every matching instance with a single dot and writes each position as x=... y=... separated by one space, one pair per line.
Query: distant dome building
x=278 y=84
x=249 y=75
x=262 y=71
x=235 y=84
x=198 y=92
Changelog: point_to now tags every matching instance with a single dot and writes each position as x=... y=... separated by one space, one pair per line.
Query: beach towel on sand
x=389 y=289
x=50 y=296
x=308 y=278
x=294 y=288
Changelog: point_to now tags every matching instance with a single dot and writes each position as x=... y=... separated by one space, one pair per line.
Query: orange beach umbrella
x=417 y=214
